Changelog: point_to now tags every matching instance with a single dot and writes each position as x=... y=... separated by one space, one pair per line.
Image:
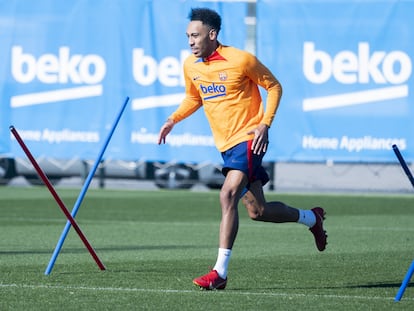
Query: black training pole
x=403 y=164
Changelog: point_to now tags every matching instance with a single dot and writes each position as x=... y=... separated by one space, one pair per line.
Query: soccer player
x=224 y=80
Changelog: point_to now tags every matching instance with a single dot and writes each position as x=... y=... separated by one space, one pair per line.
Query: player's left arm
x=263 y=77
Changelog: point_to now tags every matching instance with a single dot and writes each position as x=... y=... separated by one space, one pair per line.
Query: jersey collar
x=213 y=57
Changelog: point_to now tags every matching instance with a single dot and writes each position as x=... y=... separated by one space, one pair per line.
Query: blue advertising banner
x=346 y=69
x=69 y=66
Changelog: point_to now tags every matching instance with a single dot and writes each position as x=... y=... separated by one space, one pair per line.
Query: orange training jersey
x=226 y=85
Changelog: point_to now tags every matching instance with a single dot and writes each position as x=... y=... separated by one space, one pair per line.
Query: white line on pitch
x=180 y=291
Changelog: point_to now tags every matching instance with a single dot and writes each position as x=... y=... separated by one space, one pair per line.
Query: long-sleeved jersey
x=226 y=85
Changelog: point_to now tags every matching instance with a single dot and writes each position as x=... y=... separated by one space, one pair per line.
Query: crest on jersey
x=222 y=76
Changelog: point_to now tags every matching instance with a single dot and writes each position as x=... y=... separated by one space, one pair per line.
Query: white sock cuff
x=224 y=251
x=222 y=262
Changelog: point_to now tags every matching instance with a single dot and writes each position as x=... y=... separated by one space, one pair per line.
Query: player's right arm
x=189 y=105
x=165 y=130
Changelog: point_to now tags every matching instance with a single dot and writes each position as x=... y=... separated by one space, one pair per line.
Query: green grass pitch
x=153 y=243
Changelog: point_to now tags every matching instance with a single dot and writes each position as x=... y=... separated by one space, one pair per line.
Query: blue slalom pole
x=83 y=191
x=405 y=282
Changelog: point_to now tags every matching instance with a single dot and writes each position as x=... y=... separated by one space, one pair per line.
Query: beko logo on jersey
x=86 y=70
x=213 y=90
x=389 y=70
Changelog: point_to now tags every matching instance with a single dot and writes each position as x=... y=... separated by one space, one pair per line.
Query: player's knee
x=227 y=195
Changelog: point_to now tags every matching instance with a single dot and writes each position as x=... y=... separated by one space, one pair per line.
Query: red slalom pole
x=62 y=206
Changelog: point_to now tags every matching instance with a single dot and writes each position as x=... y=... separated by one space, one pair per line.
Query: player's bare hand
x=261 y=139
x=165 y=130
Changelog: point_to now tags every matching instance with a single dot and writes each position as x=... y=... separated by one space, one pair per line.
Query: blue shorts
x=242 y=158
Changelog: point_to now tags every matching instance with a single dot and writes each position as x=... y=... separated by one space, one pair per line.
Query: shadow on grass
x=380 y=285
x=106 y=249
x=357 y=286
